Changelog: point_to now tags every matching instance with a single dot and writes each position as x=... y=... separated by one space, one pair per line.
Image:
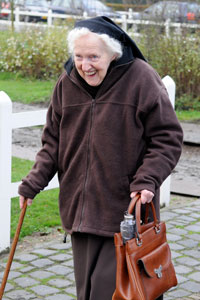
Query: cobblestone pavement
x=45 y=270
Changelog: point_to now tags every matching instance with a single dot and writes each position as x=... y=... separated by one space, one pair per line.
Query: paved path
x=45 y=270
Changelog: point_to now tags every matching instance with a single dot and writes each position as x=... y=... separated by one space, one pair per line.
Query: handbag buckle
x=139 y=242
x=157 y=229
x=158 y=272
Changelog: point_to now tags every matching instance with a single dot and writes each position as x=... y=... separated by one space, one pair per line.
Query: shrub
x=41 y=54
x=34 y=53
x=177 y=56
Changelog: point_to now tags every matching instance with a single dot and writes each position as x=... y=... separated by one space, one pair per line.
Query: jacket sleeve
x=163 y=138
x=46 y=163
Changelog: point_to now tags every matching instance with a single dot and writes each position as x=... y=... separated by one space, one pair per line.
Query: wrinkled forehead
x=90 y=43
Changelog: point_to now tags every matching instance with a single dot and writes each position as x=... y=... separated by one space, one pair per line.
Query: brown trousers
x=94 y=266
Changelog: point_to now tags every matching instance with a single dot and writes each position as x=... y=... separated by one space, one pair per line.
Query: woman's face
x=92 y=58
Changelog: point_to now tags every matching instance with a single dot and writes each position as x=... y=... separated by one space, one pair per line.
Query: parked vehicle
x=79 y=7
x=4 y=6
x=181 y=12
x=37 y=6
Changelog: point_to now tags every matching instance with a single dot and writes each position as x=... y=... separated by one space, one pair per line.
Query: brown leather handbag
x=144 y=266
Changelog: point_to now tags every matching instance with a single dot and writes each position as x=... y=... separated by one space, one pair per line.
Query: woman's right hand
x=22 y=200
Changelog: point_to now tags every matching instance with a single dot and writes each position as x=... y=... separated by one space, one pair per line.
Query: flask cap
x=128 y=216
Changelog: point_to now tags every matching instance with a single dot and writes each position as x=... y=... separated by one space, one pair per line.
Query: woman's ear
x=114 y=57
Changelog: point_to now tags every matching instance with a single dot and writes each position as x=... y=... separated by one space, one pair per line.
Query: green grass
x=43 y=214
x=20 y=168
x=26 y=90
x=184 y=115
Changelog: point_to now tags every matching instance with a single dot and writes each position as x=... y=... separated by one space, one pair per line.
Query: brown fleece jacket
x=126 y=139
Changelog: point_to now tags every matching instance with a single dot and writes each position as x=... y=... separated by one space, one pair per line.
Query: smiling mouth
x=90 y=73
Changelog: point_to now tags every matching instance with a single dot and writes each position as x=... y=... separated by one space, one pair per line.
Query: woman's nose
x=85 y=65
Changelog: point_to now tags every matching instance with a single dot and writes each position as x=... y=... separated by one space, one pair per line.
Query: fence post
x=124 y=22
x=167 y=28
x=5 y=169
x=165 y=187
x=49 y=18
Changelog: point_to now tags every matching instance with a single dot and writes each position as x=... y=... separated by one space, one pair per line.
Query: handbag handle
x=136 y=203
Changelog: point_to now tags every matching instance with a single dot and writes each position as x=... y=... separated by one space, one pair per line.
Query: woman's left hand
x=146 y=196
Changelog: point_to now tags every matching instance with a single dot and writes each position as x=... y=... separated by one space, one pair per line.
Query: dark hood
x=105 y=25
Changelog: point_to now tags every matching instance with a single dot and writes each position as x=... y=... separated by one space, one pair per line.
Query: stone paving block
x=71 y=290
x=195 y=215
x=15 y=265
x=26 y=269
x=195 y=276
x=13 y=275
x=187 y=218
x=195 y=228
x=188 y=243
x=187 y=261
x=20 y=295
x=25 y=281
x=59 y=283
x=60 y=297
x=69 y=263
x=179 y=293
x=26 y=257
x=178 y=231
x=181 y=211
x=175 y=254
x=42 y=262
x=195 y=236
x=175 y=246
x=44 y=252
x=41 y=274
x=197 y=268
x=61 y=246
x=61 y=257
x=169 y=226
x=195 y=297
x=59 y=269
x=8 y=287
x=193 y=253
x=44 y=290
x=71 y=276
x=173 y=237
x=191 y=286
x=180 y=269
x=166 y=215
x=181 y=278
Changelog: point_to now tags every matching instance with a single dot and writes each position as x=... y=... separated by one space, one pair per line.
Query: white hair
x=113 y=45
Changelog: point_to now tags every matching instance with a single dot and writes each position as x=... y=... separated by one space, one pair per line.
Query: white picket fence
x=8 y=189
x=126 y=21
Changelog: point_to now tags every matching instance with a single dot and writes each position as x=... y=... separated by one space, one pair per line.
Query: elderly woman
x=110 y=132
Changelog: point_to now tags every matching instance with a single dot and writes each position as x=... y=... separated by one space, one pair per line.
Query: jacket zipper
x=88 y=161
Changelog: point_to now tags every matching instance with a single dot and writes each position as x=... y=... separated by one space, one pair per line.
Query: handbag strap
x=133 y=202
x=136 y=203
x=138 y=214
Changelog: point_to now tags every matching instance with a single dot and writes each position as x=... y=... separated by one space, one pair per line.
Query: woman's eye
x=78 y=57
x=94 y=57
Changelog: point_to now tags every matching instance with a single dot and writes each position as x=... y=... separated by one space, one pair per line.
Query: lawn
x=43 y=214
x=26 y=90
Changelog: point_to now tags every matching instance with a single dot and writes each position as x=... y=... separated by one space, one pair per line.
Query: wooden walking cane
x=13 y=247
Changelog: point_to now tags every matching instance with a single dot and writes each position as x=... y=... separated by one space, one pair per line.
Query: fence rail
x=126 y=21
x=10 y=121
